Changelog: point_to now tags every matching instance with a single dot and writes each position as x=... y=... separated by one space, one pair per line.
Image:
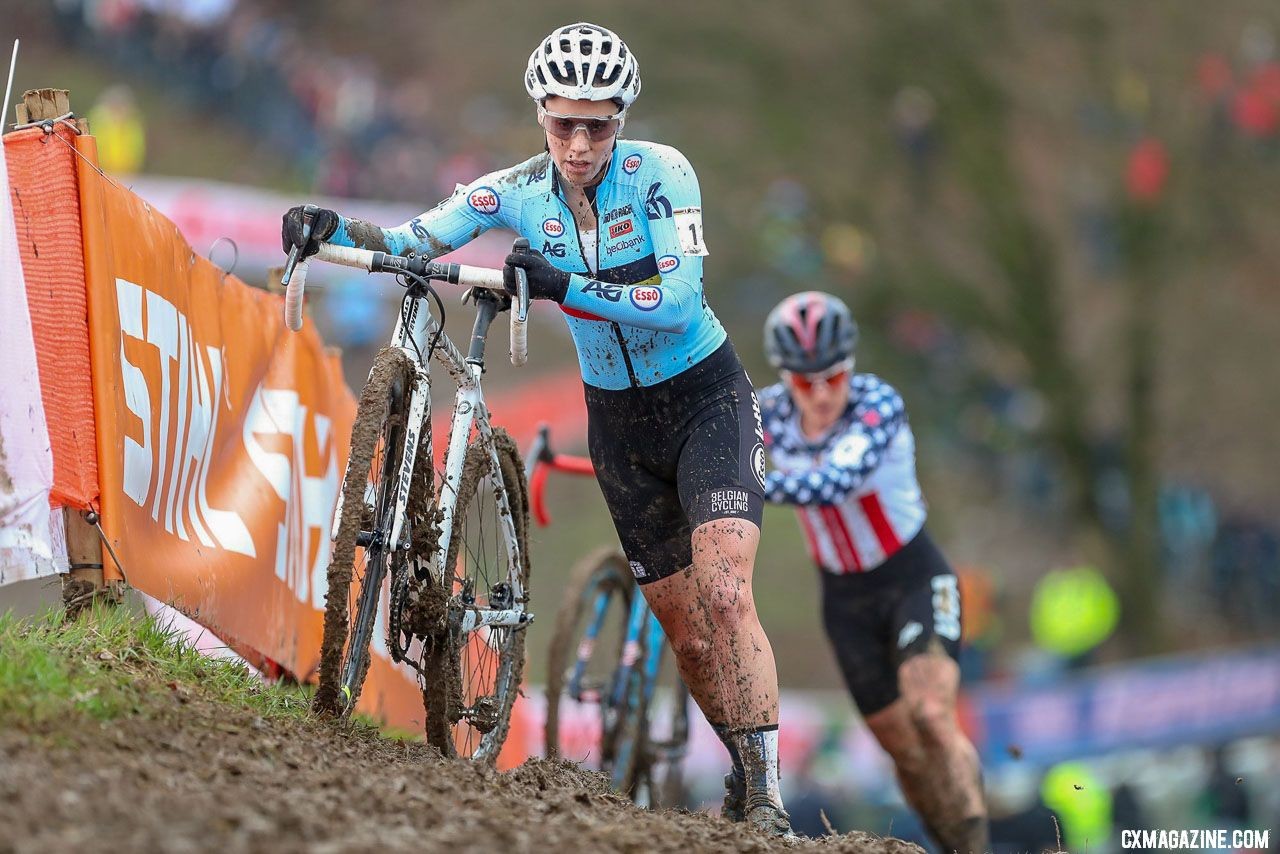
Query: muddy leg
x=936 y=764
x=710 y=618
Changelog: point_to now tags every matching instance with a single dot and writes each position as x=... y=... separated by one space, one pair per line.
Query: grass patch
x=109 y=662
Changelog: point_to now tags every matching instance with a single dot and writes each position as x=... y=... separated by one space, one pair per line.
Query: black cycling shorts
x=876 y=620
x=675 y=455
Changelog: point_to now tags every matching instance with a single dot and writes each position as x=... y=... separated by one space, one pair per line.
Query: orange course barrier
x=220 y=438
x=42 y=183
x=224 y=452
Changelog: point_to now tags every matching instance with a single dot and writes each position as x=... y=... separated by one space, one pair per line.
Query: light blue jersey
x=642 y=317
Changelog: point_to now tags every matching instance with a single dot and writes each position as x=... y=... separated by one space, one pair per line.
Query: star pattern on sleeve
x=850 y=455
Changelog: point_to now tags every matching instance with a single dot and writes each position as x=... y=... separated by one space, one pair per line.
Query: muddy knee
x=934 y=720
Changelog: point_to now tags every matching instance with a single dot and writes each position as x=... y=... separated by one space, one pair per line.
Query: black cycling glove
x=323 y=226
x=545 y=281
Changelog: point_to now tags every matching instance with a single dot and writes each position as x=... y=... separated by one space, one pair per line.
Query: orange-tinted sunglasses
x=834 y=377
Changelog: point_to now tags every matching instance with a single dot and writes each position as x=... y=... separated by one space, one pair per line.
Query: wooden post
x=84 y=582
x=39 y=105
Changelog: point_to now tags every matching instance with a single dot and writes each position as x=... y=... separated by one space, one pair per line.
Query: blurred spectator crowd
x=348 y=129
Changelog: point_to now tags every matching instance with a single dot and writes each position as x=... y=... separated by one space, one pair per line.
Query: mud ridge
x=194 y=775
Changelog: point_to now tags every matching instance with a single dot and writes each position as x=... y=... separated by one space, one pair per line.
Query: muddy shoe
x=735 y=798
x=769 y=819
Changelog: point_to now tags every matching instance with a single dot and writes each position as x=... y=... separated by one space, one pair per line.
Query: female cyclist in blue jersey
x=674 y=429
x=845 y=458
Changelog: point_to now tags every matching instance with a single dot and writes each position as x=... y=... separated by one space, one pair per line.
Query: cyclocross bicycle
x=455 y=566
x=607 y=652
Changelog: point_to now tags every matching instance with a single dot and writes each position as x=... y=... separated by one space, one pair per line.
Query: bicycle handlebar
x=543 y=460
x=295 y=277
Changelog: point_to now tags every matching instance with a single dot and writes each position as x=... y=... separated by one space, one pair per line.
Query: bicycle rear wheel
x=472 y=679
x=361 y=552
x=591 y=627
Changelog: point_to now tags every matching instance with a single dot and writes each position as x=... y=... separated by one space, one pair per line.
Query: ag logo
x=552 y=227
x=484 y=200
x=620 y=228
x=646 y=297
x=603 y=290
x=757 y=462
x=632 y=164
x=555 y=250
x=667 y=263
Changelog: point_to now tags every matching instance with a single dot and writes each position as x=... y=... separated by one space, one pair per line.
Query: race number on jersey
x=689 y=227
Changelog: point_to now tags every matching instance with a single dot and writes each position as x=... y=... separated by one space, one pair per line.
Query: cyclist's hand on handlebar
x=322 y=228
x=545 y=281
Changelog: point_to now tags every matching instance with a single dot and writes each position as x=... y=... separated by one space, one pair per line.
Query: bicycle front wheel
x=582 y=659
x=472 y=678
x=362 y=551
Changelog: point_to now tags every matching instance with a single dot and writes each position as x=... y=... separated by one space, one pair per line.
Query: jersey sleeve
x=672 y=201
x=877 y=417
x=459 y=219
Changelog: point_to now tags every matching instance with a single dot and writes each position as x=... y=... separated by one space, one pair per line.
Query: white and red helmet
x=809 y=332
x=583 y=62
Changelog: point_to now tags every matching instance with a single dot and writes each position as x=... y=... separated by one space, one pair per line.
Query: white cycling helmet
x=583 y=62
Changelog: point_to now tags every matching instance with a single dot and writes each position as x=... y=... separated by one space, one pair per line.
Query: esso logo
x=632 y=164
x=646 y=298
x=484 y=200
x=553 y=227
x=667 y=263
x=757 y=462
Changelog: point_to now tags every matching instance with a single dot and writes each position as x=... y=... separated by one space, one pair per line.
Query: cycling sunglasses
x=834 y=377
x=599 y=128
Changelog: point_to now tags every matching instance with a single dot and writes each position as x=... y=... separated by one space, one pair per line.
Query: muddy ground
x=193 y=775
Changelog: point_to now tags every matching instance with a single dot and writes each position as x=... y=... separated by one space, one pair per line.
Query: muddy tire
x=481 y=671
x=603 y=574
x=377 y=446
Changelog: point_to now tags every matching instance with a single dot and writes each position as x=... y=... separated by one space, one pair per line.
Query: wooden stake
x=44 y=104
x=84 y=551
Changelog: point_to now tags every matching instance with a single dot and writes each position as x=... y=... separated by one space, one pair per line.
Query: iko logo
x=632 y=164
x=656 y=206
x=552 y=227
x=667 y=264
x=555 y=250
x=484 y=200
x=620 y=228
x=646 y=297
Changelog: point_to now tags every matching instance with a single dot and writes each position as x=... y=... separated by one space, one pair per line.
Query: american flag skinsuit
x=855 y=488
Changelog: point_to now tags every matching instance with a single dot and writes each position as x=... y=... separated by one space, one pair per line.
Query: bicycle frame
x=414 y=330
